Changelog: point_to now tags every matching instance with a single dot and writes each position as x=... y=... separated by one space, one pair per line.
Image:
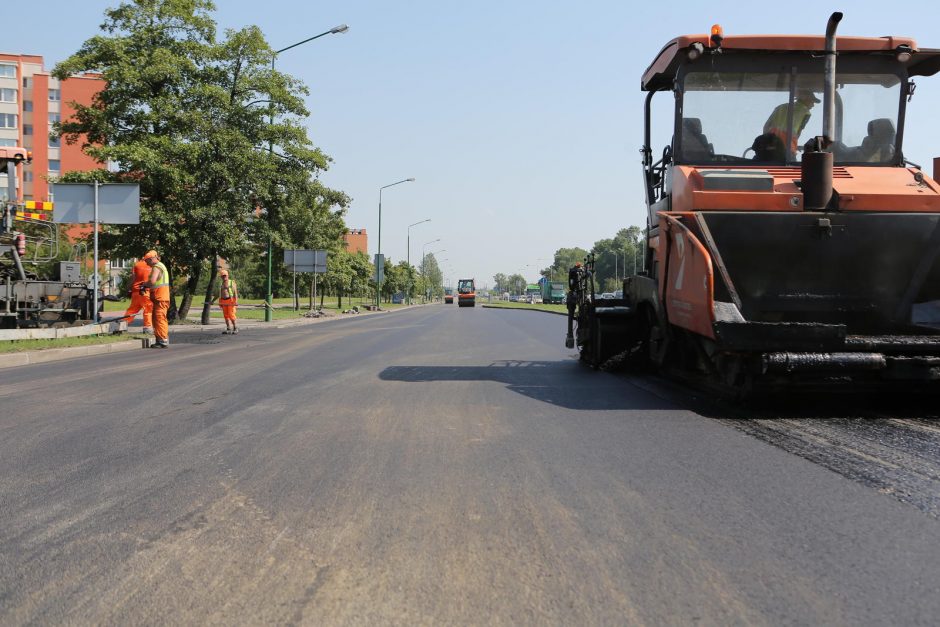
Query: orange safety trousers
x=139 y=303
x=161 y=328
x=228 y=306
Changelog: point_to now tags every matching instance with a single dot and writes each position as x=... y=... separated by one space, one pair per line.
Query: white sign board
x=118 y=203
x=299 y=260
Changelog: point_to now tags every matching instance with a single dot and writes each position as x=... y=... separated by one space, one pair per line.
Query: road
x=433 y=466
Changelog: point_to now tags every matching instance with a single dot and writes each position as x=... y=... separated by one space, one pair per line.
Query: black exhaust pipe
x=816 y=165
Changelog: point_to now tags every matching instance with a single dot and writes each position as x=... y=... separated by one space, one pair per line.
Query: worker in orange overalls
x=140 y=300
x=228 y=301
x=159 y=285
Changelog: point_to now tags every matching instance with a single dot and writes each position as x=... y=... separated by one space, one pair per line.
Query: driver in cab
x=775 y=128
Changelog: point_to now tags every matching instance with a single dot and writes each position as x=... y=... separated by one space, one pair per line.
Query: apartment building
x=356 y=241
x=31 y=100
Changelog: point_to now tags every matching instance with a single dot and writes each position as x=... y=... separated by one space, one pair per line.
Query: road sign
x=379 y=269
x=118 y=203
x=299 y=260
x=108 y=203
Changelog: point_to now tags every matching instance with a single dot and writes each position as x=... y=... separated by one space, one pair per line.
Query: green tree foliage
x=500 y=282
x=564 y=260
x=617 y=257
x=180 y=116
x=432 y=278
x=517 y=284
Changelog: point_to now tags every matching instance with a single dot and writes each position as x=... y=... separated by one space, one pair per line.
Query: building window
x=55 y=95
x=27 y=129
x=8 y=120
x=54 y=117
x=54 y=142
x=27 y=82
x=7 y=94
x=7 y=143
x=27 y=176
x=55 y=165
x=27 y=106
x=7 y=70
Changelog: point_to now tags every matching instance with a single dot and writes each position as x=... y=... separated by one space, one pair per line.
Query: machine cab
x=466 y=293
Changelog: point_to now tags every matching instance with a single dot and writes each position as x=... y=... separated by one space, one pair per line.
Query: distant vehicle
x=607 y=296
x=532 y=290
x=448 y=296
x=466 y=293
x=398 y=299
x=535 y=300
x=514 y=298
x=505 y=296
x=553 y=292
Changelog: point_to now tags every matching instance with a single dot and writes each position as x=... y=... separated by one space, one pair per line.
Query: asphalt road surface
x=443 y=466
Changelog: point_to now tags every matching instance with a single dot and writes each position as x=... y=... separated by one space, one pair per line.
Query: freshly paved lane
x=437 y=465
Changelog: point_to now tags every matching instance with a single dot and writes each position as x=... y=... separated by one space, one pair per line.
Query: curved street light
x=342 y=28
x=380 y=272
x=409 y=255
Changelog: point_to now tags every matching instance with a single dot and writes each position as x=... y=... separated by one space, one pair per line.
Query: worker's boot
x=234 y=330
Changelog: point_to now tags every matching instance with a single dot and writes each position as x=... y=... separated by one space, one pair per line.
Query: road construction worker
x=778 y=123
x=159 y=285
x=228 y=300
x=140 y=300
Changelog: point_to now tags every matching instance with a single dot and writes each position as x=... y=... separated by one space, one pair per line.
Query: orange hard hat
x=150 y=254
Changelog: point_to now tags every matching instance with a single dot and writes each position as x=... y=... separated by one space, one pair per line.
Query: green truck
x=553 y=292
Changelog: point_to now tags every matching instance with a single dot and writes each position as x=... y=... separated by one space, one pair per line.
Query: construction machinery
x=28 y=238
x=466 y=293
x=789 y=240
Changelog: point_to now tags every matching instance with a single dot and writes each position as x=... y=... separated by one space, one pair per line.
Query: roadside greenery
x=615 y=258
x=214 y=137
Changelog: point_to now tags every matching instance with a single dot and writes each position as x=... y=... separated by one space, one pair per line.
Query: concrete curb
x=557 y=313
x=57 y=354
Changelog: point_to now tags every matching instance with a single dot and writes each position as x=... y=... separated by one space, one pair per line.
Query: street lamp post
x=380 y=272
x=342 y=28
x=409 y=255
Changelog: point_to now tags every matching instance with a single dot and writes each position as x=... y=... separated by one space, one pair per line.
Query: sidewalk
x=193 y=330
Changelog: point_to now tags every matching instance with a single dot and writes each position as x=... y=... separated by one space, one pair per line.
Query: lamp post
x=409 y=255
x=380 y=272
x=342 y=28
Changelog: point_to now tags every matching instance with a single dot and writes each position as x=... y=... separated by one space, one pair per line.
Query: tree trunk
x=339 y=299
x=190 y=290
x=210 y=293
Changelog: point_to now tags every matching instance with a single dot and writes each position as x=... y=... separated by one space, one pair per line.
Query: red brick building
x=356 y=241
x=30 y=102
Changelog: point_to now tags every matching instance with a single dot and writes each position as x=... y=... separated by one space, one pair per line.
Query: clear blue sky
x=520 y=120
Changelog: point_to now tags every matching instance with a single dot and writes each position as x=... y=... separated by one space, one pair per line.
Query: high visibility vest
x=777 y=122
x=164 y=280
x=232 y=290
x=161 y=289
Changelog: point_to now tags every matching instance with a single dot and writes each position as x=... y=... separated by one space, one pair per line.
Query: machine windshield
x=465 y=286
x=767 y=117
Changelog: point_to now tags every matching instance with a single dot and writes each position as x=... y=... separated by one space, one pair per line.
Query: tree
x=564 y=260
x=176 y=116
x=517 y=284
x=432 y=277
x=500 y=282
x=617 y=257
